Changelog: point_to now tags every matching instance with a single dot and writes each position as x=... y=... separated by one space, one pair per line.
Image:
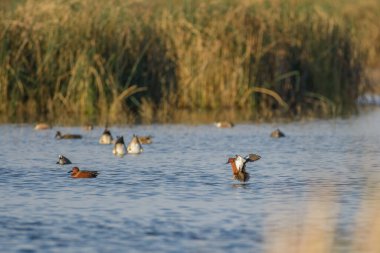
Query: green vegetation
x=75 y=61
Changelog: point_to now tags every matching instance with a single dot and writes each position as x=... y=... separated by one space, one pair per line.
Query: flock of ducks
x=238 y=163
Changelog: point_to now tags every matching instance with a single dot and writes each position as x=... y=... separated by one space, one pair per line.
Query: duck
x=88 y=127
x=145 y=139
x=277 y=134
x=76 y=173
x=42 y=126
x=238 y=164
x=59 y=136
x=224 y=124
x=106 y=137
x=134 y=146
x=119 y=148
x=63 y=160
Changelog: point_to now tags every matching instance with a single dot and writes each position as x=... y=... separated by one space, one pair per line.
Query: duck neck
x=234 y=169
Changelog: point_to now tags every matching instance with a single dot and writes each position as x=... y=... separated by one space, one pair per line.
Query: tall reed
x=122 y=61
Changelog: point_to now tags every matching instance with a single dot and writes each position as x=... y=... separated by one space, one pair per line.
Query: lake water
x=178 y=195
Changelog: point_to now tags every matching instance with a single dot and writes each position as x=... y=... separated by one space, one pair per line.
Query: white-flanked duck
x=106 y=137
x=134 y=147
x=63 y=160
x=119 y=148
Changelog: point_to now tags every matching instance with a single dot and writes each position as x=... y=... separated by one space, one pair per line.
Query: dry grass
x=141 y=61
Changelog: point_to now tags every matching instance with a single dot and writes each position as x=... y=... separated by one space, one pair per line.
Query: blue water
x=178 y=195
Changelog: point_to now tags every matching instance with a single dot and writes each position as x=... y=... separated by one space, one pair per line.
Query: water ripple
x=178 y=195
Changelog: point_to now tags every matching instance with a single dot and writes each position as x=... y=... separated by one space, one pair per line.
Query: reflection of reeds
x=312 y=232
x=112 y=61
x=367 y=233
x=317 y=231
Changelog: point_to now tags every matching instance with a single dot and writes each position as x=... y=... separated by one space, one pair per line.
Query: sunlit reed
x=153 y=61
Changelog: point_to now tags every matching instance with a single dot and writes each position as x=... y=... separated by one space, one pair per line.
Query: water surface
x=178 y=195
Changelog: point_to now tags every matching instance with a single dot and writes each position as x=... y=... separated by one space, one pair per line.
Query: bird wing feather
x=252 y=158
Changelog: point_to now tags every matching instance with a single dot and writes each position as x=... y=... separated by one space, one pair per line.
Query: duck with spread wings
x=238 y=164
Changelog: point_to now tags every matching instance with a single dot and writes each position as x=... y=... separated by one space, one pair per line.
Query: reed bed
x=71 y=61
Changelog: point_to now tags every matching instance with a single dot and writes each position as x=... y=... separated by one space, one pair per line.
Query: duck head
x=231 y=160
x=58 y=135
x=74 y=170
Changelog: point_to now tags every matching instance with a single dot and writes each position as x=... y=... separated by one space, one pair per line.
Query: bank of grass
x=71 y=61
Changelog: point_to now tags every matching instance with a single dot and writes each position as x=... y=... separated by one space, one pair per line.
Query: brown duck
x=238 y=166
x=224 y=124
x=76 y=173
x=277 y=134
x=145 y=139
x=59 y=136
x=42 y=126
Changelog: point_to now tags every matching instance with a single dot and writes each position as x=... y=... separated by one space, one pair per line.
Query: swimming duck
x=88 y=127
x=224 y=124
x=145 y=139
x=119 y=147
x=59 y=136
x=106 y=137
x=76 y=173
x=63 y=160
x=42 y=126
x=238 y=166
x=277 y=134
x=134 y=147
